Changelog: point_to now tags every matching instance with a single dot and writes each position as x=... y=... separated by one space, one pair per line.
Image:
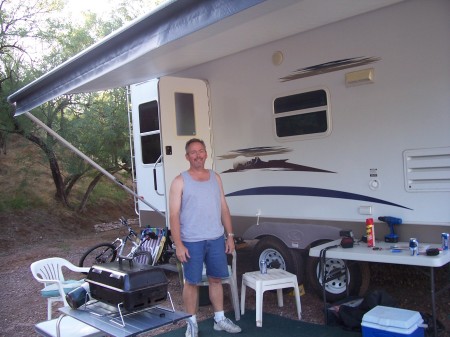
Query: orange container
x=370 y=232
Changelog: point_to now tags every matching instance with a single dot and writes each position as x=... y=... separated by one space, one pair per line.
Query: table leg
x=259 y=303
x=243 y=289
x=297 y=302
x=280 y=297
x=433 y=300
x=324 y=291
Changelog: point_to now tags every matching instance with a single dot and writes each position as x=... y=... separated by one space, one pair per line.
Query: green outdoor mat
x=273 y=326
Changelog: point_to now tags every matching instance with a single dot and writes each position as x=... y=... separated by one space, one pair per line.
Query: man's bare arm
x=226 y=218
x=176 y=191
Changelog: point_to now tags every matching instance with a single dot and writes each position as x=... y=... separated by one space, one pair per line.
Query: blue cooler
x=384 y=321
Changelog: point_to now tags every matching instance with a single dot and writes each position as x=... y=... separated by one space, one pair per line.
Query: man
x=199 y=217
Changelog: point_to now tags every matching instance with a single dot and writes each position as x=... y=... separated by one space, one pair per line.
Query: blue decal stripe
x=310 y=192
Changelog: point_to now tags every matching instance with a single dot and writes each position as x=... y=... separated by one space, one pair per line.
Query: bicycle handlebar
x=131 y=232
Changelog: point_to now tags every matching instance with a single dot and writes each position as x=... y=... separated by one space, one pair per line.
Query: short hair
x=193 y=140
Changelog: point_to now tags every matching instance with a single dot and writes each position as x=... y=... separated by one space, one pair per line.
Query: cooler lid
x=393 y=317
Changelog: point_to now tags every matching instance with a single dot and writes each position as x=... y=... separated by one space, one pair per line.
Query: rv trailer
x=316 y=118
x=313 y=133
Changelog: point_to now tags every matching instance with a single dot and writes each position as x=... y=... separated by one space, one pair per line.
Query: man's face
x=196 y=155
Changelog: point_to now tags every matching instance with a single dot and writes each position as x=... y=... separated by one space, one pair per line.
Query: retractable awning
x=183 y=34
x=109 y=63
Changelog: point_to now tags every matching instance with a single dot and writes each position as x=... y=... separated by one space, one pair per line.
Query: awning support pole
x=90 y=161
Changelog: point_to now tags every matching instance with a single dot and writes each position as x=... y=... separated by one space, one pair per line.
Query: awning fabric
x=183 y=34
x=175 y=20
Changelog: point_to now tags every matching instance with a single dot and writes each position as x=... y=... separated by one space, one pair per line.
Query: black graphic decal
x=255 y=151
x=309 y=192
x=272 y=165
x=243 y=161
x=329 y=67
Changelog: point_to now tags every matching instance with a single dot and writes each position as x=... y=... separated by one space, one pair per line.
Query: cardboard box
x=384 y=321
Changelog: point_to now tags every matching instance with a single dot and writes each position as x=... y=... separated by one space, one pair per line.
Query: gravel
x=22 y=306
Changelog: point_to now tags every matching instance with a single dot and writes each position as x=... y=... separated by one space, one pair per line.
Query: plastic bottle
x=370 y=232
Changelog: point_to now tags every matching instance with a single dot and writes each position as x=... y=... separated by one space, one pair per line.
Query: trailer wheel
x=277 y=256
x=336 y=289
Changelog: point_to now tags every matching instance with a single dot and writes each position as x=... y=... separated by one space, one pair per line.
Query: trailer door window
x=149 y=132
x=185 y=114
x=302 y=115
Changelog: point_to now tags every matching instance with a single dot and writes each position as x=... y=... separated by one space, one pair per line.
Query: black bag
x=428 y=320
x=351 y=317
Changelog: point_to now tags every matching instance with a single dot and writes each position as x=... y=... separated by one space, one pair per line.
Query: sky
x=99 y=6
x=78 y=6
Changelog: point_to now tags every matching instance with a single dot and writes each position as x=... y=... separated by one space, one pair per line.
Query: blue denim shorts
x=210 y=252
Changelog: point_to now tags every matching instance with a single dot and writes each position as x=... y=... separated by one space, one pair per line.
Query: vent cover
x=427 y=169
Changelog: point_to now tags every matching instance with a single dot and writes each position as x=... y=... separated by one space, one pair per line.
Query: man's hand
x=229 y=245
x=182 y=253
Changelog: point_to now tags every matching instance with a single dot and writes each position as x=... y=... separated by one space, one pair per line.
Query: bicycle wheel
x=101 y=253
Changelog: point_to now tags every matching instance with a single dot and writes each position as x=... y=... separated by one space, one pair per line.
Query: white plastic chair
x=49 y=272
x=231 y=280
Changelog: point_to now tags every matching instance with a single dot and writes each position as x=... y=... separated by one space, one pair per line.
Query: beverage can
x=414 y=246
x=370 y=233
x=263 y=267
x=444 y=238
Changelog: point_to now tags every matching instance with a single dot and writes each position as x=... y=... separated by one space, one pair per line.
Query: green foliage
x=34 y=40
x=96 y=123
x=22 y=198
x=108 y=191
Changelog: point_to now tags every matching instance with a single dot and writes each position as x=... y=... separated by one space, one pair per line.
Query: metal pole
x=433 y=302
x=90 y=161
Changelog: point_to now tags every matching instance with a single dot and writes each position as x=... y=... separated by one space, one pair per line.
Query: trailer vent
x=427 y=169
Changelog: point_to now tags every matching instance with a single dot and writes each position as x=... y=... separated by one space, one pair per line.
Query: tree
x=78 y=118
x=20 y=23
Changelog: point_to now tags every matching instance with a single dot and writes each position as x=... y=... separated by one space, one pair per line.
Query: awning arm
x=90 y=161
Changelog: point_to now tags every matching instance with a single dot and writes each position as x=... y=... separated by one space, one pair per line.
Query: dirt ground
x=25 y=239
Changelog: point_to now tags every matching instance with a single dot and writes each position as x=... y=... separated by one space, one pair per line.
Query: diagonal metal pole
x=90 y=161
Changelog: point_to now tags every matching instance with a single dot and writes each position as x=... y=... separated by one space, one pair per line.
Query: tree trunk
x=60 y=194
x=82 y=206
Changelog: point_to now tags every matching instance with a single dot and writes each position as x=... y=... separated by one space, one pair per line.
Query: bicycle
x=108 y=252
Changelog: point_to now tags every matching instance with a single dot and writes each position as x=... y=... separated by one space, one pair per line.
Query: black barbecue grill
x=133 y=286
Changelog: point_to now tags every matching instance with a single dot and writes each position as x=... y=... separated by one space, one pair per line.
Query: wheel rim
x=273 y=258
x=337 y=285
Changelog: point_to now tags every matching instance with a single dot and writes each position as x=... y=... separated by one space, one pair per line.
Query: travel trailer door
x=184 y=114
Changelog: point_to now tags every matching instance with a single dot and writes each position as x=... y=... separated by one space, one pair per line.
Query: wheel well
x=318 y=243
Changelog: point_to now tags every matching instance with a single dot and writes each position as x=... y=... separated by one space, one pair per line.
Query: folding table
x=107 y=318
x=383 y=254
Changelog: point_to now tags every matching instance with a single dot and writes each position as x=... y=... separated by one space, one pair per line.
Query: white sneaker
x=227 y=325
x=188 y=330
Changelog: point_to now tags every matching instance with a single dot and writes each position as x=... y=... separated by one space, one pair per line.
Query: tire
x=101 y=253
x=277 y=256
x=336 y=289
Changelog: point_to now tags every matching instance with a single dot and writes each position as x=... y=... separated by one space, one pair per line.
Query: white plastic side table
x=274 y=279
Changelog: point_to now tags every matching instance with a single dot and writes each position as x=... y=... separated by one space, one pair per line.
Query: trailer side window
x=303 y=115
x=149 y=132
